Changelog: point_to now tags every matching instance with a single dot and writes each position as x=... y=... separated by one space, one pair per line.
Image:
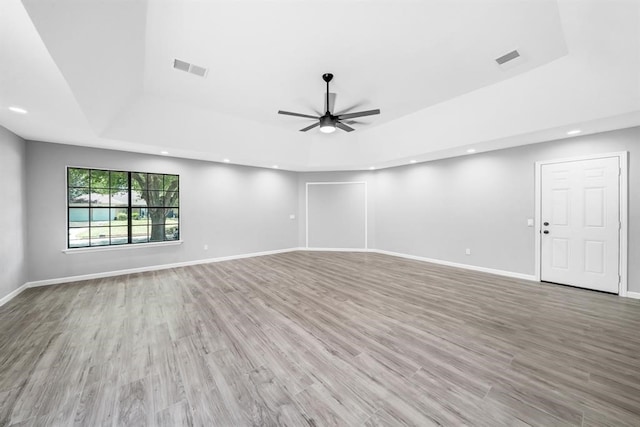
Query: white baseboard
x=459 y=265
x=60 y=280
x=69 y=279
x=335 y=249
x=5 y=299
x=635 y=295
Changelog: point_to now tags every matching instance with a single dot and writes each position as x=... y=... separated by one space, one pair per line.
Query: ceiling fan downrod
x=327 y=77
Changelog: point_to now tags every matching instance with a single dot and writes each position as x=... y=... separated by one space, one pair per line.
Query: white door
x=580 y=216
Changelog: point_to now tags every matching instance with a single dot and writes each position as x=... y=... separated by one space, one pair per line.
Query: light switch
x=292 y=216
x=530 y=222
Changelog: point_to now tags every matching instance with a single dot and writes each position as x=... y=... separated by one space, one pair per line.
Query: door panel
x=560 y=255
x=580 y=207
x=560 y=207
x=594 y=256
x=594 y=207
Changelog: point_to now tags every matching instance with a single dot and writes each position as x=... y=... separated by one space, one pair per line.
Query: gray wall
x=482 y=202
x=232 y=209
x=13 y=237
x=336 y=215
x=435 y=209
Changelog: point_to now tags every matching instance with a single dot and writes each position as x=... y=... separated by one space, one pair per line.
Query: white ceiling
x=99 y=73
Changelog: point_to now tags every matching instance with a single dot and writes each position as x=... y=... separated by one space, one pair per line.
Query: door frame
x=306 y=209
x=623 y=161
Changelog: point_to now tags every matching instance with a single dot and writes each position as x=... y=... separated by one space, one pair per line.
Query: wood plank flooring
x=318 y=339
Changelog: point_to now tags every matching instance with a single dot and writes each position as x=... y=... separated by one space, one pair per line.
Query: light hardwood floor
x=318 y=339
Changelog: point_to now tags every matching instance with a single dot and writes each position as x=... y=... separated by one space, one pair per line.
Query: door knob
x=546 y=231
x=546 y=223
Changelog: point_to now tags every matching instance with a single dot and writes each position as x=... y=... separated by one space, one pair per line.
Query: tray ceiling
x=100 y=73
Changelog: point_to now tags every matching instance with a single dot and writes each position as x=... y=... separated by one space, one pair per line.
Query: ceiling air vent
x=189 y=68
x=507 y=57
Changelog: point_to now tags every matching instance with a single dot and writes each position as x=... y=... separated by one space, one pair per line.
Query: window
x=116 y=207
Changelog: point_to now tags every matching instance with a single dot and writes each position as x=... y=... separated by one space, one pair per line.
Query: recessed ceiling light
x=226 y=160
x=371 y=167
x=413 y=161
x=164 y=152
x=17 y=110
x=275 y=166
x=574 y=132
x=471 y=150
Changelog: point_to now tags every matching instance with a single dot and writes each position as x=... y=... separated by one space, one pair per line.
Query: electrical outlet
x=206 y=247
x=467 y=251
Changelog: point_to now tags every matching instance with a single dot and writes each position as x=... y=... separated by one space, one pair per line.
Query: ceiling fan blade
x=346 y=110
x=358 y=114
x=310 y=127
x=332 y=102
x=344 y=127
x=288 y=113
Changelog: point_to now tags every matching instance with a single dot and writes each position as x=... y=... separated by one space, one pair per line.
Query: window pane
x=78 y=237
x=139 y=224
x=172 y=216
x=157 y=215
x=99 y=216
x=100 y=198
x=119 y=198
x=155 y=199
x=119 y=217
x=119 y=180
x=78 y=197
x=78 y=217
x=99 y=178
x=139 y=216
x=78 y=177
x=157 y=232
x=171 y=182
x=99 y=236
x=157 y=220
x=138 y=198
x=78 y=243
x=155 y=181
x=172 y=231
x=140 y=233
x=119 y=235
x=138 y=181
x=171 y=199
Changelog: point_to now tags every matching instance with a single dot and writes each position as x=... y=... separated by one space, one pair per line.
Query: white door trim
x=306 y=208
x=623 y=162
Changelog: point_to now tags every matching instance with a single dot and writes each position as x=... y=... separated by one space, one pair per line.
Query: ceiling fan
x=329 y=122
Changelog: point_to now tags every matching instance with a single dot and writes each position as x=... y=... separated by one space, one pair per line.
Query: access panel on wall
x=336 y=215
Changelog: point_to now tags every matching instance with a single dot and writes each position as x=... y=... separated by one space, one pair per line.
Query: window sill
x=121 y=247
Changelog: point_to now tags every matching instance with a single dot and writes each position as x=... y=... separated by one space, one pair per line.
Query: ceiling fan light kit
x=327 y=125
x=329 y=122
